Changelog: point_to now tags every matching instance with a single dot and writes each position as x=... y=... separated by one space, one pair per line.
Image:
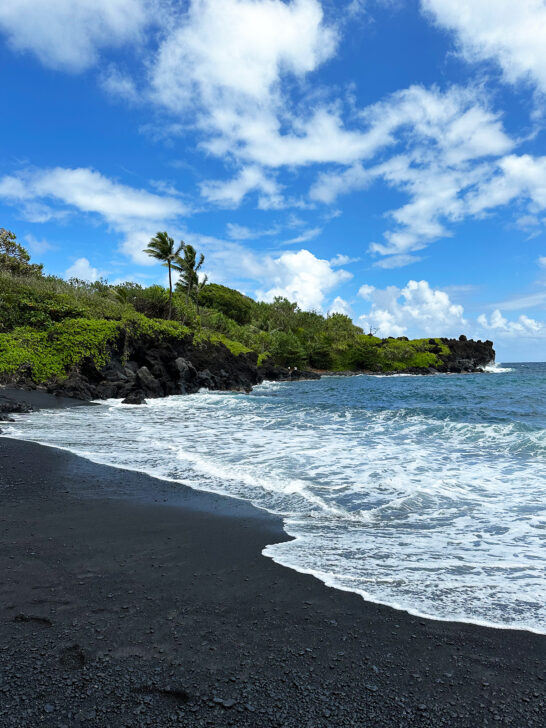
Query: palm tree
x=121 y=295
x=188 y=267
x=162 y=247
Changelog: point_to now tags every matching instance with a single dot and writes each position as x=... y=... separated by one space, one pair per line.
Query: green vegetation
x=14 y=258
x=48 y=325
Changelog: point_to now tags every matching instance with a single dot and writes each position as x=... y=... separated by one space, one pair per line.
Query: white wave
x=497 y=368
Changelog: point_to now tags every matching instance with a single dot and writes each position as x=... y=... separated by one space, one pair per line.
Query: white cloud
x=225 y=66
x=515 y=177
x=523 y=326
x=510 y=32
x=396 y=261
x=89 y=191
x=526 y=301
x=136 y=213
x=542 y=261
x=119 y=85
x=241 y=232
x=330 y=185
x=340 y=305
x=38 y=246
x=444 y=143
x=83 y=270
x=365 y=291
x=299 y=276
x=304 y=237
x=415 y=309
x=240 y=49
x=231 y=193
x=420 y=310
x=68 y=34
x=341 y=259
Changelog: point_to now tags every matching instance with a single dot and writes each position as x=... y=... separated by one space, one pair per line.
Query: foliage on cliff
x=48 y=326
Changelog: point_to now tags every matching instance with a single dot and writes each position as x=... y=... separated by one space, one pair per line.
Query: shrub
x=227 y=301
x=152 y=301
x=286 y=350
x=320 y=355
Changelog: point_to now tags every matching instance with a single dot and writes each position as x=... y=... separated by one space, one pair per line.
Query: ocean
x=424 y=493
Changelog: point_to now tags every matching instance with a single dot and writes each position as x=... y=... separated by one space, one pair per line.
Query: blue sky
x=375 y=157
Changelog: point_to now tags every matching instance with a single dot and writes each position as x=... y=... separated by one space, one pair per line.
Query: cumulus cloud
x=68 y=34
x=136 y=213
x=300 y=276
x=523 y=326
x=239 y=48
x=82 y=269
x=420 y=310
x=415 y=309
x=229 y=65
x=366 y=291
x=340 y=305
x=224 y=65
x=507 y=32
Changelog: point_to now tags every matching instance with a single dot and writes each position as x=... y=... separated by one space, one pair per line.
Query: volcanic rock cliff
x=155 y=366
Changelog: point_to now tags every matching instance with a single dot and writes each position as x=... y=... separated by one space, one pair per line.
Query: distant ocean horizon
x=424 y=493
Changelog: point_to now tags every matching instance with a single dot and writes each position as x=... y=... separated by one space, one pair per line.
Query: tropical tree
x=162 y=247
x=188 y=266
x=14 y=259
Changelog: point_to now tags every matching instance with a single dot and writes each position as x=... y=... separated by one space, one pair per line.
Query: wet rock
x=10 y=406
x=135 y=397
x=148 y=382
x=75 y=386
x=206 y=379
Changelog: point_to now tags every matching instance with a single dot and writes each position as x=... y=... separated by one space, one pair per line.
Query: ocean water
x=424 y=493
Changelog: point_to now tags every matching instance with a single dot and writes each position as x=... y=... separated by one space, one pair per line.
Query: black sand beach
x=120 y=611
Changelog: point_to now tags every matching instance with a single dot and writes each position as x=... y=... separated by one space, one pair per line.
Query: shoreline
x=175 y=498
x=128 y=604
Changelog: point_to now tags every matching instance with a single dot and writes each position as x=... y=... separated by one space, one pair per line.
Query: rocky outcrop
x=149 y=366
x=271 y=372
x=9 y=406
x=152 y=367
x=466 y=355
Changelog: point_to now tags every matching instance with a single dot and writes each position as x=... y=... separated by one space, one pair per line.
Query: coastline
x=118 y=610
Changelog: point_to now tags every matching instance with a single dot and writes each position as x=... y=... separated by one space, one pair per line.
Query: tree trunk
x=170 y=290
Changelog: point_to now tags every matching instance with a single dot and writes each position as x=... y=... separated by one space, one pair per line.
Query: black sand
x=124 y=612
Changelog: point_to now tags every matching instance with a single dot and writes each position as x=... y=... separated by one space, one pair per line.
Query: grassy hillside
x=49 y=326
